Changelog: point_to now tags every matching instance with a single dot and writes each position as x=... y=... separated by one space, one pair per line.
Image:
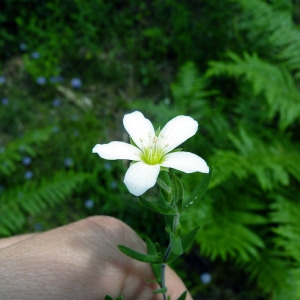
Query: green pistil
x=153 y=155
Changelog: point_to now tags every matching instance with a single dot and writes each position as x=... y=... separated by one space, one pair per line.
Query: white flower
x=152 y=152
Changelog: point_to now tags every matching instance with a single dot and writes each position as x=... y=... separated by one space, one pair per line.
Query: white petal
x=139 y=128
x=140 y=177
x=177 y=131
x=186 y=162
x=117 y=150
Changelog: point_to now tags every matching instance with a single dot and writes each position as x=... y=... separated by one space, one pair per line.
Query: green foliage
x=189 y=90
x=30 y=197
x=238 y=67
x=33 y=198
x=10 y=155
x=273 y=81
x=250 y=214
x=170 y=207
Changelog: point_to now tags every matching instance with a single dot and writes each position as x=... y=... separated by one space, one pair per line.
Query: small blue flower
x=56 y=79
x=89 y=203
x=74 y=117
x=56 y=102
x=23 y=46
x=76 y=83
x=107 y=166
x=41 y=80
x=4 y=101
x=76 y=133
x=113 y=185
x=205 y=278
x=38 y=227
x=55 y=129
x=1 y=189
x=28 y=175
x=2 y=79
x=68 y=162
x=35 y=55
x=26 y=160
x=2 y=149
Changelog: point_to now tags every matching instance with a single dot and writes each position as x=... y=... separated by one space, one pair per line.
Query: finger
x=175 y=285
x=5 y=242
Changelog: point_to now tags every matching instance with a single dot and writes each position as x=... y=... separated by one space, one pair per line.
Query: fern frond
x=274 y=82
x=33 y=198
x=12 y=152
x=285 y=214
x=270 y=162
x=276 y=29
x=225 y=230
x=226 y=238
x=189 y=90
x=275 y=276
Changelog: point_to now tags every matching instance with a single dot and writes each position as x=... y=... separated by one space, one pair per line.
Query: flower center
x=153 y=154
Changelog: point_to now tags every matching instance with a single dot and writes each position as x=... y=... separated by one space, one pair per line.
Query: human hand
x=79 y=261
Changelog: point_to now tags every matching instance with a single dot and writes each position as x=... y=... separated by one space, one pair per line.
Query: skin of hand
x=79 y=261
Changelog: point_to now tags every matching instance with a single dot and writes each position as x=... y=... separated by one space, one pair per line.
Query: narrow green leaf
x=188 y=239
x=199 y=191
x=150 y=246
x=154 y=249
x=177 y=190
x=160 y=291
x=153 y=259
x=156 y=268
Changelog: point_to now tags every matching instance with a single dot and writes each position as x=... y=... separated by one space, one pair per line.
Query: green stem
x=167 y=254
x=163 y=282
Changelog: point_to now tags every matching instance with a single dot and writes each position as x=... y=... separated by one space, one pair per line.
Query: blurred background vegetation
x=70 y=70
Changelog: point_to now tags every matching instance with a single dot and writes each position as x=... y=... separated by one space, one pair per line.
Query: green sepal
x=169 y=220
x=164 y=169
x=177 y=191
x=159 y=206
x=157 y=131
x=176 y=150
x=148 y=258
x=160 y=291
x=178 y=229
x=164 y=183
x=132 y=142
x=198 y=192
x=175 y=244
x=182 y=296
